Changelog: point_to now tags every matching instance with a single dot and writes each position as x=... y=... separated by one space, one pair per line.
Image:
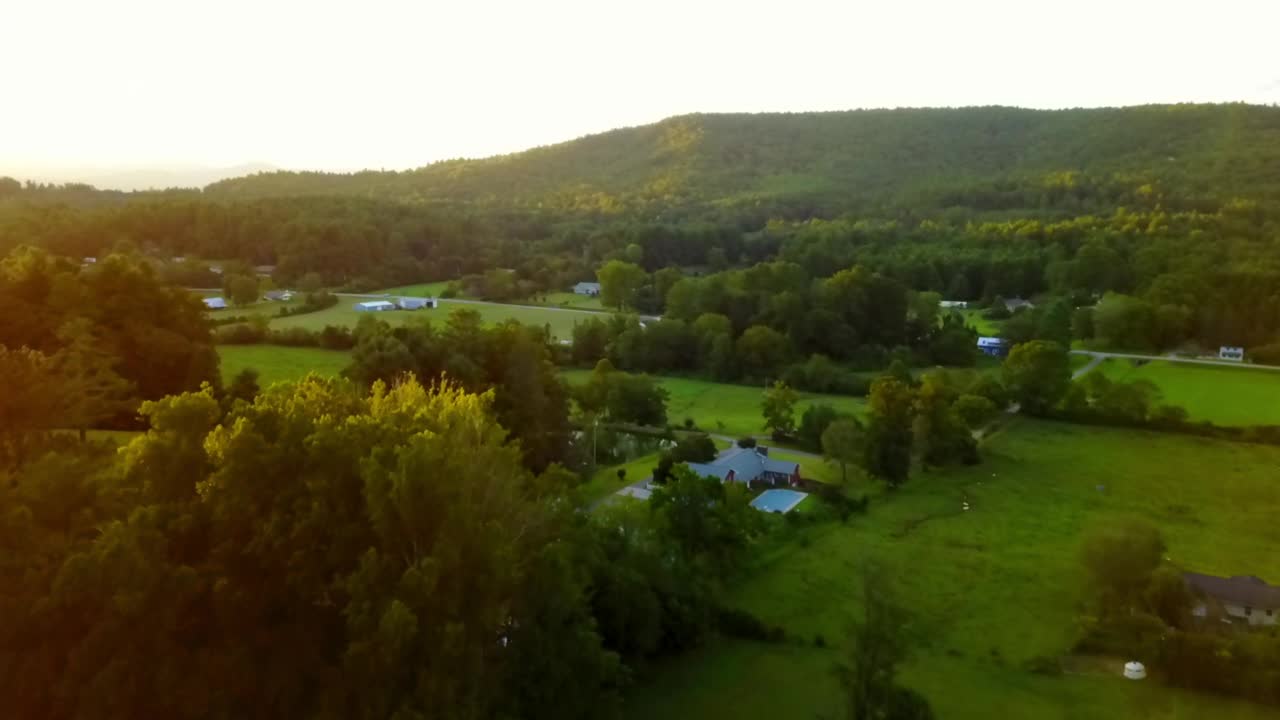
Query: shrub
x=746 y=442
x=742 y=624
x=819 y=641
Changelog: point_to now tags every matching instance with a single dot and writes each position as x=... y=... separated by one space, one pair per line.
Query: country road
x=1099 y=356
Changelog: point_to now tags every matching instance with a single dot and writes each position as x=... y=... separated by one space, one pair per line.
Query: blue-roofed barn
x=751 y=466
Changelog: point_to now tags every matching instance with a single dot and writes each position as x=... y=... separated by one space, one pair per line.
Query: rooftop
x=1246 y=590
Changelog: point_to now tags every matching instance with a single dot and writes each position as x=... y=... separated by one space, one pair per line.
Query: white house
x=993 y=346
x=1014 y=304
x=953 y=304
x=416 y=303
x=587 y=288
x=215 y=303
x=1230 y=352
x=375 y=306
x=1240 y=598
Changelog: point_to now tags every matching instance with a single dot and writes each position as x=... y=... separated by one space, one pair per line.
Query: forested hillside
x=826 y=163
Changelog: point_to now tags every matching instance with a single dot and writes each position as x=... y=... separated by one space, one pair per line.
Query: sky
x=398 y=84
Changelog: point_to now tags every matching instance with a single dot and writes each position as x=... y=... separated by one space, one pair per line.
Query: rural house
x=587 y=288
x=1231 y=352
x=1243 y=597
x=1015 y=304
x=953 y=304
x=279 y=295
x=375 y=306
x=215 y=303
x=416 y=303
x=749 y=465
x=994 y=346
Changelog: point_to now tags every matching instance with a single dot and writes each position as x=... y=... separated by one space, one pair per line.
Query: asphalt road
x=1100 y=356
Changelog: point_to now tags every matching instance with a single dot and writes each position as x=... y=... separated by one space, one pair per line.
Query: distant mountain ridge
x=841 y=160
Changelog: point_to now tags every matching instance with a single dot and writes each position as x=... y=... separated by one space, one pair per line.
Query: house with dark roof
x=1241 y=598
x=749 y=466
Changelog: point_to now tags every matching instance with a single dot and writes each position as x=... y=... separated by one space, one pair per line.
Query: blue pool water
x=778 y=500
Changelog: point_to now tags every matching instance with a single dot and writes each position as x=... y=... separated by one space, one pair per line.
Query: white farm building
x=375 y=306
x=416 y=303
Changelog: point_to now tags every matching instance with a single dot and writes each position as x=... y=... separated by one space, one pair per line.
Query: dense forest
x=1171 y=209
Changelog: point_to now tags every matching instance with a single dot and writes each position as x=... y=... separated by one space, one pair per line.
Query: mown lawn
x=605 y=481
x=569 y=300
x=1226 y=396
x=276 y=363
x=973 y=317
x=993 y=587
x=344 y=314
x=431 y=289
x=724 y=408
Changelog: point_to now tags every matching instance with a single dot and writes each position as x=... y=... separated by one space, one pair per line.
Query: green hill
x=990 y=158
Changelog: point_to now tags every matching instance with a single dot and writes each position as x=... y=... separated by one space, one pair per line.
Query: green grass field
x=276 y=363
x=727 y=409
x=344 y=314
x=431 y=289
x=973 y=317
x=569 y=300
x=994 y=586
x=1224 y=395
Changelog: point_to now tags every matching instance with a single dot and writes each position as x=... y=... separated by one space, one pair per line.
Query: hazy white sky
x=395 y=84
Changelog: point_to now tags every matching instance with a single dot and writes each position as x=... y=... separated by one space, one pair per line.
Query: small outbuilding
x=587 y=288
x=1135 y=670
x=215 y=303
x=375 y=306
x=416 y=303
x=279 y=295
x=954 y=304
x=994 y=346
x=1016 y=304
x=1231 y=352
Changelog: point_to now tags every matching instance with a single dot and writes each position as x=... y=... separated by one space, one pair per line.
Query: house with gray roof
x=1241 y=598
x=750 y=466
x=587 y=288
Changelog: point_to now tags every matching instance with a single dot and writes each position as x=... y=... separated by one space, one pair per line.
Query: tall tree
x=880 y=640
x=889 y=430
x=779 y=407
x=842 y=443
x=618 y=282
x=1037 y=374
x=93 y=390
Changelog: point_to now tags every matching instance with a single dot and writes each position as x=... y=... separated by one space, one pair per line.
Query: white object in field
x=1134 y=670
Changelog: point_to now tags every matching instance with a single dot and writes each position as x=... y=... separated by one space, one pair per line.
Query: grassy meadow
x=725 y=408
x=993 y=587
x=344 y=314
x=277 y=363
x=1223 y=395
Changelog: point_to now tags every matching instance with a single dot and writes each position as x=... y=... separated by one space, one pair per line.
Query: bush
x=819 y=641
x=746 y=442
x=742 y=624
x=239 y=334
x=689 y=424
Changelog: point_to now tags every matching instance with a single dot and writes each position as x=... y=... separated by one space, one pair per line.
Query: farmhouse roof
x=1246 y=590
x=990 y=342
x=747 y=464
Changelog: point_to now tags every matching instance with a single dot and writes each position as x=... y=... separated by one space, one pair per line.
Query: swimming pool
x=779 y=501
